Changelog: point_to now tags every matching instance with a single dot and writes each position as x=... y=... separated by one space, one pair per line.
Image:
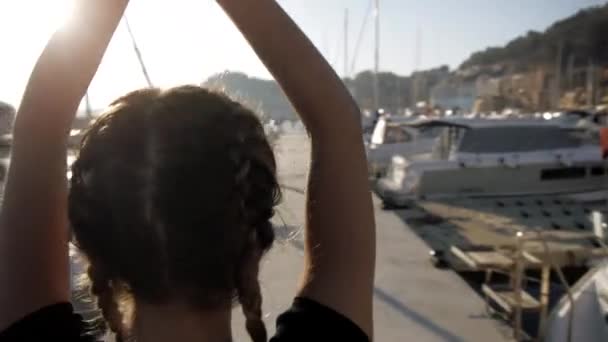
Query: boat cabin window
x=598 y=171
x=563 y=173
x=600 y=119
x=517 y=139
x=430 y=132
x=395 y=135
x=448 y=142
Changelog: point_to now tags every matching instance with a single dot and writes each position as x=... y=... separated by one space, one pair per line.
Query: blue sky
x=185 y=41
x=450 y=30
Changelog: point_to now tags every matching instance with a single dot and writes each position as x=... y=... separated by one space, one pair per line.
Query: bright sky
x=185 y=41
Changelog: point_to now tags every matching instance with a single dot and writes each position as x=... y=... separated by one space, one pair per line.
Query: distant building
x=530 y=91
x=487 y=86
x=453 y=94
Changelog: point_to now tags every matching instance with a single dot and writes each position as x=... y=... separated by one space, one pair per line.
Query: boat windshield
x=386 y=133
x=430 y=132
x=449 y=139
x=517 y=139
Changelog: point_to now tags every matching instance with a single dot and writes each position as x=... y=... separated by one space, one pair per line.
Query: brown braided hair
x=106 y=300
x=171 y=198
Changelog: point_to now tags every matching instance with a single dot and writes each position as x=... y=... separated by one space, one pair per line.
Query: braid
x=250 y=297
x=144 y=244
x=102 y=289
x=257 y=208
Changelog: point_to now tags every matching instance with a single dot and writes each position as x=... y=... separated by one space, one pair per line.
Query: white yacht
x=396 y=137
x=582 y=316
x=582 y=119
x=488 y=158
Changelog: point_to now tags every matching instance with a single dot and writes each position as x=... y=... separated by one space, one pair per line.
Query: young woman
x=171 y=197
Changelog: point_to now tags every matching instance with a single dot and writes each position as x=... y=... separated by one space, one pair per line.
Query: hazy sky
x=185 y=41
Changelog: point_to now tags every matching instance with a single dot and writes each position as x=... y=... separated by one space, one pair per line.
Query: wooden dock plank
x=505 y=298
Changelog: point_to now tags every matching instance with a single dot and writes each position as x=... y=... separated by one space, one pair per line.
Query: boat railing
x=514 y=299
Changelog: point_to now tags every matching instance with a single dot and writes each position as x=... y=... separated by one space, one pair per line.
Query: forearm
x=56 y=86
x=340 y=231
x=312 y=86
x=65 y=69
x=326 y=107
x=33 y=223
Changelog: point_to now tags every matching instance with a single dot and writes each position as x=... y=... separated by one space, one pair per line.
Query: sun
x=53 y=14
x=42 y=17
x=25 y=28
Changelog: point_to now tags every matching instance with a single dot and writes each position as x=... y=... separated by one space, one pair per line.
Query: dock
x=521 y=245
x=412 y=299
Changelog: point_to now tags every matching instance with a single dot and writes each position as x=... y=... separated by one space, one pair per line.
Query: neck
x=178 y=322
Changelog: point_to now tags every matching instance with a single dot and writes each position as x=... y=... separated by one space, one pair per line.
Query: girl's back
x=172 y=194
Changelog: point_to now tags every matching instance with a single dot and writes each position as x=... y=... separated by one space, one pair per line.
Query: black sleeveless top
x=306 y=320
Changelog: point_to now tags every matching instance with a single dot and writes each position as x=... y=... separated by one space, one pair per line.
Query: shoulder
x=56 y=322
x=308 y=320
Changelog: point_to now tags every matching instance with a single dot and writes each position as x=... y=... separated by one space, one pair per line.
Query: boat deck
x=552 y=226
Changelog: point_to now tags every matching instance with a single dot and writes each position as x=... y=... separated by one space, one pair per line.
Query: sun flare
x=43 y=17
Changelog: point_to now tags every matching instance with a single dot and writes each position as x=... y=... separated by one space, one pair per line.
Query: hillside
x=582 y=37
x=514 y=69
x=264 y=96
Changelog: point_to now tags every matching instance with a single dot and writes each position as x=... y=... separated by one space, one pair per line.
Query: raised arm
x=340 y=229
x=34 y=270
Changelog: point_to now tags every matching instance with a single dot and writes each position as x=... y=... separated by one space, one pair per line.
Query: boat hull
x=451 y=180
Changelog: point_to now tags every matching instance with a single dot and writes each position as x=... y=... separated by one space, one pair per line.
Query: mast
x=415 y=79
x=346 y=74
x=570 y=70
x=590 y=83
x=325 y=49
x=138 y=52
x=377 y=56
x=87 y=101
x=417 y=52
x=558 y=75
x=368 y=14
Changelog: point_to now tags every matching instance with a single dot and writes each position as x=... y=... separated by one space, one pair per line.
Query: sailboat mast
x=558 y=76
x=346 y=43
x=377 y=55
x=138 y=53
x=368 y=14
x=590 y=83
x=415 y=91
x=87 y=102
